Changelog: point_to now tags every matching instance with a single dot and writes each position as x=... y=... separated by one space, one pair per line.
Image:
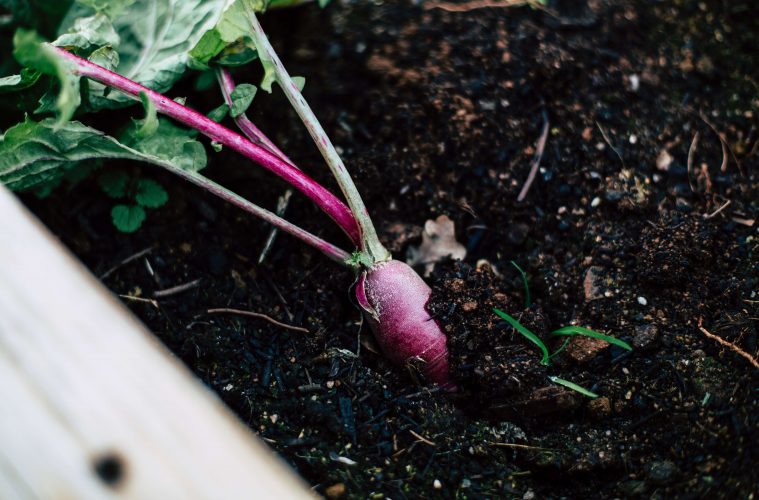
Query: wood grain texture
x=85 y=388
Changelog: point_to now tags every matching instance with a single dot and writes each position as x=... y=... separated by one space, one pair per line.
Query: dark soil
x=439 y=112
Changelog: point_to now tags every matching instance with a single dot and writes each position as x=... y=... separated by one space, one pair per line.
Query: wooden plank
x=93 y=406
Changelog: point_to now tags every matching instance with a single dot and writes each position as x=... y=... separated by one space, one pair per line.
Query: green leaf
x=578 y=330
x=527 y=300
x=127 y=218
x=171 y=144
x=89 y=32
x=527 y=334
x=218 y=114
x=150 y=194
x=111 y=8
x=37 y=154
x=270 y=75
x=114 y=183
x=105 y=57
x=25 y=79
x=230 y=29
x=156 y=37
x=573 y=386
x=148 y=125
x=242 y=97
x=300 y=82
x=31 y=51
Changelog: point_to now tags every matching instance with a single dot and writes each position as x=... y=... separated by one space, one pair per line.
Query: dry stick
x=126 y=261
x=168 y=292
x=535 y=159
x=608 y=141
x=725 y=146
x=226 y=310
x=476 y=4
x=421 y=438
x=720 y=209
x=689 y=164
x=751 y=359
x=515 y=445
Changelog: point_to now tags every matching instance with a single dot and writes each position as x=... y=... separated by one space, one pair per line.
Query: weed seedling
x=564 y=331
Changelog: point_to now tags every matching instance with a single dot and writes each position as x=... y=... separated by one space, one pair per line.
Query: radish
x=391 y=294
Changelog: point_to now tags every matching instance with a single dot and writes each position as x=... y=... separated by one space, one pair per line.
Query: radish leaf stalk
x=369 y=241
x=332 y=206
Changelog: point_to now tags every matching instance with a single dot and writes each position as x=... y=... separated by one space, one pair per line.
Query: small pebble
x=596 y=201
x=634 y=82
x=437 y=484
x=633 y=139
x=642 y=300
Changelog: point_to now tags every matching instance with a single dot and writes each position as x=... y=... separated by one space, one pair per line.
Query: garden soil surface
x=640 y=224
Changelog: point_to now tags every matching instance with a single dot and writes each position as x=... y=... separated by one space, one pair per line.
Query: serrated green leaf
x=111 y=8
x=114 y=183
x=25 y=79
x=106 y=57
x=31 y=51
x=232 y=29
x=127 y=218
x=242 y=97
x=155 y=39
x=586 y=332
x=150 y=194
x=148 y=125
x=36 y=154
x=526 y=333
x=172 y=144
x=89 y=32
x=218 y=114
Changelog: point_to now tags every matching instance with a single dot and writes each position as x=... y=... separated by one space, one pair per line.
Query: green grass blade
x=527 y=300
x=578 y=330
x=526 y=333
x=573 y=386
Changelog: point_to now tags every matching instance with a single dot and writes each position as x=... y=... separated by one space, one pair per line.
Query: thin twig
x=478 y=4
x=751 y=359
x=421 y=438
x=282 y=203
x=720 y=209
x=541 y=146
x=515 y=445
x=725 y=146
x=126 y=261
x=691 y=152
x=608 y=141
x=168 y=292
x=140 y=299
x=226 y=310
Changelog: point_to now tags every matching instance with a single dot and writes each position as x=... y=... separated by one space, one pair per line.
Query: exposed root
x=751 y=359
x=535 y=159
x=480 y=4
x=226 y=310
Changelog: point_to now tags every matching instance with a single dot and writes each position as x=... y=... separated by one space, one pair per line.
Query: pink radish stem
x=227 y=85
x=330 y=204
